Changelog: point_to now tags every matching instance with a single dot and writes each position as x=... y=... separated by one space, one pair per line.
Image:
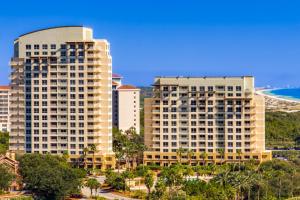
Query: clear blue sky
x=191 y=38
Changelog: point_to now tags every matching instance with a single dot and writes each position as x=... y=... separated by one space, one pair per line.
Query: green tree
x=93 y=149
x=188 y=171
x=180 y=152
x=221 y=152
x=92 y=184
x=282 y=129
x=173 y=178
x=6 y=178
x=85 y=152
x=160 y=190
x=204 y=155
x=149 y=181
x=49 y=177
x=115 y=180
x=128 y=146
x=190 y=154
x=4 y=137
x=66 y=155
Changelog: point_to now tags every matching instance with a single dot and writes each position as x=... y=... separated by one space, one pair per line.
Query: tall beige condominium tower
x=61 y=94
x=203 y=120
x=4 y=108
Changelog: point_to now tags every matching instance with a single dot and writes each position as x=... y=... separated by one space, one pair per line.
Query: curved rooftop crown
x=54 y=27
x=70 y=33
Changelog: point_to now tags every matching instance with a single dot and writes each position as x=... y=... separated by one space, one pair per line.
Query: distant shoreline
x=266 y=92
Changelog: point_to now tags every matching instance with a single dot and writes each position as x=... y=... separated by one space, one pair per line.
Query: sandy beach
x=262 y=92
x=277 y=103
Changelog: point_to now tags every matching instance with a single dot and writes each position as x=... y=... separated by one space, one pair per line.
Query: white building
x=126 y=105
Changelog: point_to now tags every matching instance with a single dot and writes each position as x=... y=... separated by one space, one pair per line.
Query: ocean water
x=288 y=93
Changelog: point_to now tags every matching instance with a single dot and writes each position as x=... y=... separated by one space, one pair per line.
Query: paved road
x=102 y=193
x=112 y=196
x=86 y=192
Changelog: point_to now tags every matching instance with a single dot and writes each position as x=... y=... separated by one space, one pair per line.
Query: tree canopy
x=282 y=129
x=4 y=137
x=6 y=178
x=49 y=177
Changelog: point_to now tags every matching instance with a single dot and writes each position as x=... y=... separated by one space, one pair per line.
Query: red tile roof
x=116 y=76
x=4 y=87
x=114 y=83
x=127 y=87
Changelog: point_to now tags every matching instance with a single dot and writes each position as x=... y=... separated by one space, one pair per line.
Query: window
x=81 y=67
x=36 y=46
x=210 y=88
x=80 y=46
x=53 y=46
x=28 y=46
x=45 y=46
x=72 y=46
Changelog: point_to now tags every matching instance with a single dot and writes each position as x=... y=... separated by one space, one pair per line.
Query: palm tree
x=93 y=148
x=198 y=169
x=188 y=171
x=179 y=152
x=85 y=152
x=149 y=182
x=279 y=174
x=66 y=155
x=92 y=183
x=222 y=154
x=204 y=157
x=119 y=155
x=173 y=177
x=190 y=154
x=239 y=153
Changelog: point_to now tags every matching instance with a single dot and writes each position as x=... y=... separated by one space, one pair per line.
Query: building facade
x=126 y=105
x=214 y=119
x=128 y=114
x=61 y=94
x=4 y=108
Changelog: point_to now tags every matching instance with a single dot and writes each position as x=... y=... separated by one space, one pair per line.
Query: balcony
x=16 y=62
x=155 y=124
x=94 y=77
x=94 y=49
x=156 y=111
x=155 y=145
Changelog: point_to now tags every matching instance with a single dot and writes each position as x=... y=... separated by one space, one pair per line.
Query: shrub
x=139 y=194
